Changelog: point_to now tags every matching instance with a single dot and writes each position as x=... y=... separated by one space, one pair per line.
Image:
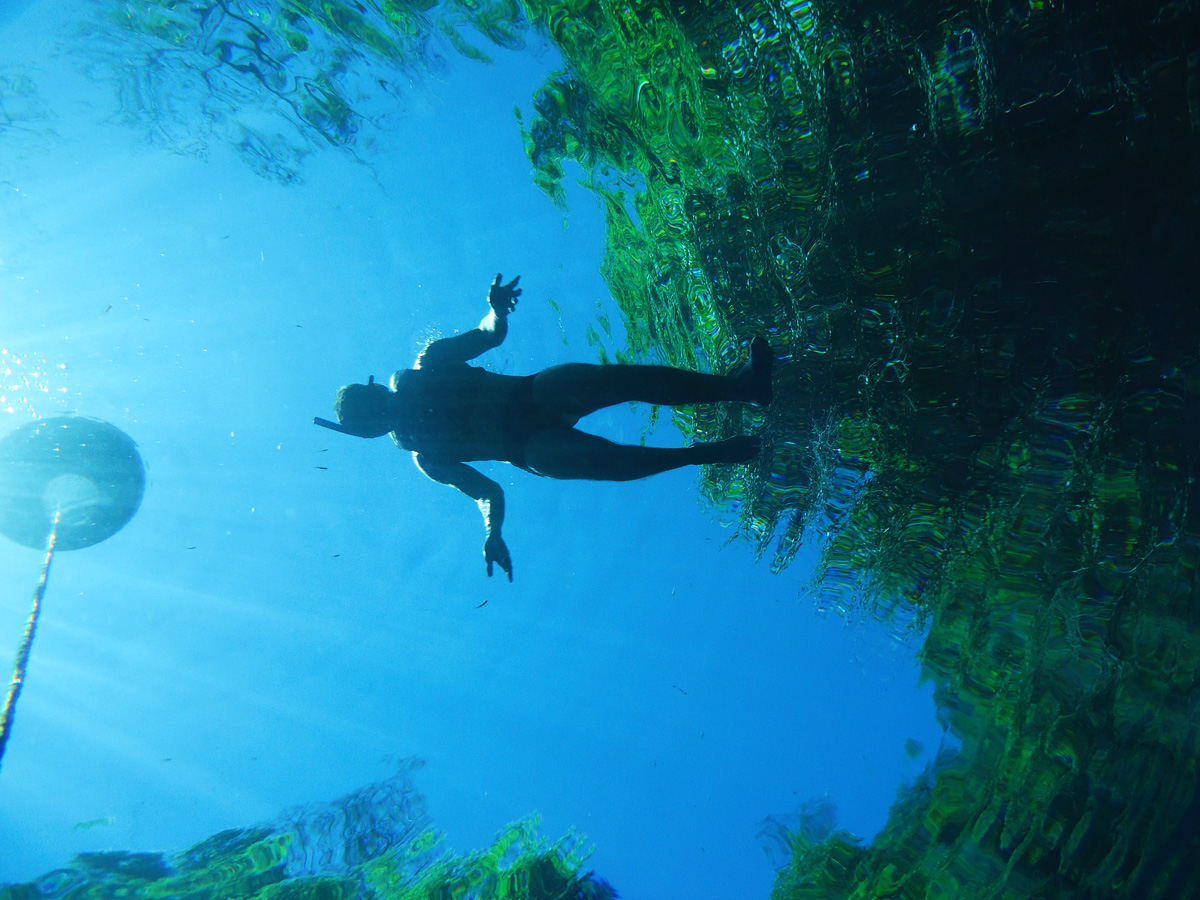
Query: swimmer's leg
x=570 y=453
x=575 y=390
x=757 y=372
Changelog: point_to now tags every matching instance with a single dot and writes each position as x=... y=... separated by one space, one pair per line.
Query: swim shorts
x=523 y=418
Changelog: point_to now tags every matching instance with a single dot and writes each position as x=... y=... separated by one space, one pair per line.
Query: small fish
x=193 y=547
x=481 y=605
x=106 y=309
x=681 y=690
x=93 y=823
x=336 y=555
x=322 y=468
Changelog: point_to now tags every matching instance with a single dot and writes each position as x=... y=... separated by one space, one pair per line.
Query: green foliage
x=969 y=231
x=518 y=866
x=327 y=73
x=970 y=251
x=257 y=865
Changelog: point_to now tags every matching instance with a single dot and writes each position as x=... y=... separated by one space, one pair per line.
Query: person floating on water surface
x=449 y=413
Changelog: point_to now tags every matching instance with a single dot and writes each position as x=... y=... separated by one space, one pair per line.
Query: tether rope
x=18 y=677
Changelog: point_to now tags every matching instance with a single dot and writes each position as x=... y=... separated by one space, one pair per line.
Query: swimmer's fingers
x=505 y=566
x=503 y=297
x=496 y=293
x=494 y=551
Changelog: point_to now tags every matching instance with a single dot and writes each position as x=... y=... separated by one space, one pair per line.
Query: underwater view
x=897 y=302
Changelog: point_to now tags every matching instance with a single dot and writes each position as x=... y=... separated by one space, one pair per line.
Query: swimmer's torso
x=452 y=412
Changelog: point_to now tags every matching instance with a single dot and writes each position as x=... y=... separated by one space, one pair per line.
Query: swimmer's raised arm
x=489 y=496
x=502 y=298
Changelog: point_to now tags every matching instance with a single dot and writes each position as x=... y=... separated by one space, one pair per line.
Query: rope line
x=18 y=677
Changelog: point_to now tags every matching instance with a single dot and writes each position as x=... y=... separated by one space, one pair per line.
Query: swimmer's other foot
x=755 y=376
x=740 y=449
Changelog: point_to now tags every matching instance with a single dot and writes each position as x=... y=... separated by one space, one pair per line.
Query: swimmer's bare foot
x=756 y=374
x=740 y=449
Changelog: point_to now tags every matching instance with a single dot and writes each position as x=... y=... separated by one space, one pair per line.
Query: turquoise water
x=293 y=613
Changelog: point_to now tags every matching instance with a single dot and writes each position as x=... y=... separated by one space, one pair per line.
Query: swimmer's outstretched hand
x=503 y=297
x=494 y=551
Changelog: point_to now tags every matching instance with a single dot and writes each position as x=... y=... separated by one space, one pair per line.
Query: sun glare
x=25 y=378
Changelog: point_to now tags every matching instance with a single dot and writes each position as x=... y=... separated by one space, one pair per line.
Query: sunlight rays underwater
x=966 y=232
x=633 y=702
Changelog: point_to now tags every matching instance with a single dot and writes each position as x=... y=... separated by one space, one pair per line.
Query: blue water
x=294 y=612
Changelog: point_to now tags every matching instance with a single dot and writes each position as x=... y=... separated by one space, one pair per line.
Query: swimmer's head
x=363 y=410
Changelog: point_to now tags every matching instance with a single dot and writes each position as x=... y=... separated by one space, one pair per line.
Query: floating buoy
x=65 y=483
x=88 y=471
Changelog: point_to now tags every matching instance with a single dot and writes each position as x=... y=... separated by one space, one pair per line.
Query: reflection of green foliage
x=92 y=823
x=25 y=119
x=516 y=867
x=20 y=105
x=332 y=69
x=969 y=237
x=969 y=231
x=373 y=845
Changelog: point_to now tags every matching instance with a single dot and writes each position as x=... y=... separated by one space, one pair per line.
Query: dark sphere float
x=87 y=470
x=65 y=483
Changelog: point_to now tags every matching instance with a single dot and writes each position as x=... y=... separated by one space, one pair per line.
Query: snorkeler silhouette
x=449 y=413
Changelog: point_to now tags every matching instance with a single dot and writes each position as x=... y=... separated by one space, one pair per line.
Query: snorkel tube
x=334 y=426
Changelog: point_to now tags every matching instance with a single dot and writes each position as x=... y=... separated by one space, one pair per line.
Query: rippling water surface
x=969 y=234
